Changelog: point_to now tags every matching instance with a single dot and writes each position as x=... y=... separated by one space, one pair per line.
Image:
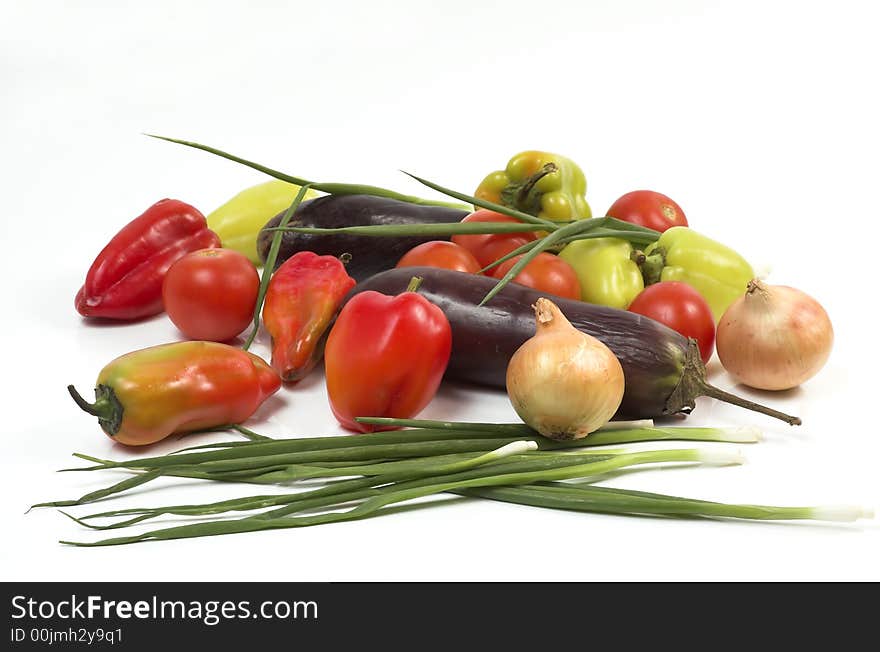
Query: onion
x=775 y=337
x=563 y=383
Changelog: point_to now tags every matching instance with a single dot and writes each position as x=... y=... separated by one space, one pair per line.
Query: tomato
x=210 y=294
x=497 y=249
x=443 y=254
x=546 y=273
x=682 y=308
x=485 y=247
x=648 y=208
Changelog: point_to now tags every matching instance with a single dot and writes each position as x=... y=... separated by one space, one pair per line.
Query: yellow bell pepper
x=541 y=184
x=239 y=220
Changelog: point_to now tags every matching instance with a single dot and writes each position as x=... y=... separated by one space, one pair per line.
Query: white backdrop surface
x=759 y=118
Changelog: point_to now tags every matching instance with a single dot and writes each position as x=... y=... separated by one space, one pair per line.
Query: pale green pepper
x=717 y=272
x=239 y=220
x=606 y=269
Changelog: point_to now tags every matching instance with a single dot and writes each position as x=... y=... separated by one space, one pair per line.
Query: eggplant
x=369 y=255
x=662 y=369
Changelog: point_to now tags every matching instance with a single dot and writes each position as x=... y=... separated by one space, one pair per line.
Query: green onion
x=330 y=188
x=622 y=501
x=404 y=230
x=276 y=461
x=558 y=232
x=269 y=265
x=367 y=475
x=407 y=491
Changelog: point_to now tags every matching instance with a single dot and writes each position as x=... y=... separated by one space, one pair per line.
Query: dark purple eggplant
x=662 y=369
x=369 y=255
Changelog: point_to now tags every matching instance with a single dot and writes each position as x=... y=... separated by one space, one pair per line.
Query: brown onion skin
x=563 y=383
x=774 y=337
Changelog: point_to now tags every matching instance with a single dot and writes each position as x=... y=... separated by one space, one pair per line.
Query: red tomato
x=477 y=243
x=443 y=254
x=210 y=294
x=648 y=208
x=680 y=307
x=547 y=273
x=497 y=249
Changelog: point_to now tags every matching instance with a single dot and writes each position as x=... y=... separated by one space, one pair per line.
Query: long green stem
x=405 y=230
x=330 y=188
x=342 y=490
x=236 y=449
x=456 y=426
x=129 y=483
x=545 y=243
x=269 y=266
x=433 y=438
x=285 y=461
x=621 y=501
x=371 y=506
x=412 y=471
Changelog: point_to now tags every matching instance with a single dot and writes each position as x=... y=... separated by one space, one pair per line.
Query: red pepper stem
x=106 y=407
x=414 y=284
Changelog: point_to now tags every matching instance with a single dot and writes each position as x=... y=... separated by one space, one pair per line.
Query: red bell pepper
x=146 y=395
x=125 y=281
x=385 y=357
x=304 y=295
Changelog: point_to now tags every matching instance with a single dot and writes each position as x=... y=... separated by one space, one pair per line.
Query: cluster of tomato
x=672 y=303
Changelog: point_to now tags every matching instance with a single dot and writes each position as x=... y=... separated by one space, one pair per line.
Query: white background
x=760 y=118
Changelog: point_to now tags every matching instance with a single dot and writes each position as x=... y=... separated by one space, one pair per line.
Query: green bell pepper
x=239 y=220
x=606 y=269
x=717 y=272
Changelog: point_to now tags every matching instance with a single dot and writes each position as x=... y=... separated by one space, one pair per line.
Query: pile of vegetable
x=586 y=322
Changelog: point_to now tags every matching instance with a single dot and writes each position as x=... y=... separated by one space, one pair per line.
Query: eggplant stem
x=693 y=383
x=727 y=397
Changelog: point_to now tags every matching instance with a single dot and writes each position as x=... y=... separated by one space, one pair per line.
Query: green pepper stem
x=651 y=265
x=414 y=284
x=520 y=194
x=106 y=407
x=96 y=409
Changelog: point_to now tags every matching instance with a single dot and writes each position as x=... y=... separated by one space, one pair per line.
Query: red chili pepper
x=304 y=295
x=144 y=396
x=385 y=356
x=125 y=281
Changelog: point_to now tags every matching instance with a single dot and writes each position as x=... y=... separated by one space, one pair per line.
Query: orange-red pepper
x=385 y=356
x=144 y=396
x=304 y=295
